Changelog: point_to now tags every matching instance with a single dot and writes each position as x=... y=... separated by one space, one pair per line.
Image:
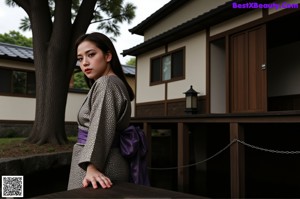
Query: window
x=5 y=80
x=19 y=82
x=31 y=83
x=16 y=82
x=155 y=70
x=168 y=67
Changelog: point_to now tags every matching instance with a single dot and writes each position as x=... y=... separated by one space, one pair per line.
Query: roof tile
x=15 y=51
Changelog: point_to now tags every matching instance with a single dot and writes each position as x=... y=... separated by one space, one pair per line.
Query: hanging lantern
x=191 y=101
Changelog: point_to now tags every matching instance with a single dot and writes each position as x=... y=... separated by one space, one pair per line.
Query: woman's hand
x=93 y=176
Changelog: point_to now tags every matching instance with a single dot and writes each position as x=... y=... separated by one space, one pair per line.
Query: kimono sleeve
x=105 y=104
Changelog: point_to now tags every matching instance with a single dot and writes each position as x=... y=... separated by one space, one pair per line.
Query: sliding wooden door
x=248 y=88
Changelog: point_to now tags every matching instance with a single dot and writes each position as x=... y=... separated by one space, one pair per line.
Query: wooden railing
x=235 y=125
x=120 y=190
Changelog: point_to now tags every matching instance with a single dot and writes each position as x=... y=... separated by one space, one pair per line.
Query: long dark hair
x=105 y=44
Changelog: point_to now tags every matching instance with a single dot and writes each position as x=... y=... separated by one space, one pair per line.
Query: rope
x=220 y=151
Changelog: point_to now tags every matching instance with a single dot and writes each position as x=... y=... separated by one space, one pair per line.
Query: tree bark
x=54 y=60
x=53 y=71
x=49 y=125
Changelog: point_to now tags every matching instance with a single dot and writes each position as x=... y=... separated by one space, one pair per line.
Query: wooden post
x=183 y=157
x=237 y=162
x=147 y=130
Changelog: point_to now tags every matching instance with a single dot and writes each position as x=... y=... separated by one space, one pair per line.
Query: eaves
x=168 y=8
x=5 y=57
x=215 y=16
x=16 y=53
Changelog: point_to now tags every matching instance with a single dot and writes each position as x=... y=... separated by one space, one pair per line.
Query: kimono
x=105 y=113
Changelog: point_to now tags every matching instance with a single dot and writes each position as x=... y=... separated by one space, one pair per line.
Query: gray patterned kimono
x=105 y=112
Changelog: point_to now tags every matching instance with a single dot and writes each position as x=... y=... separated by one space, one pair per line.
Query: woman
x=104 y=114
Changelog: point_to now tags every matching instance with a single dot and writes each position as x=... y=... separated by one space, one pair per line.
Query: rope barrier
x=220 y=151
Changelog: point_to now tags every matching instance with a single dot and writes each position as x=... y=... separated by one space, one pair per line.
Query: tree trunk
x=54 y=60
x=49 y=125
x=51 y=97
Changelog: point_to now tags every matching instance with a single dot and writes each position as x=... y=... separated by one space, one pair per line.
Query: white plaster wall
x=235 y=22
x=132 y=108
x=145 y=92
x=23 y=108
x=186 y=12
x=16 y=65
x=74 y=103
x=218 y=77
x=195 y=71
x=284 y=4
x=195 y=66
x=17 y=108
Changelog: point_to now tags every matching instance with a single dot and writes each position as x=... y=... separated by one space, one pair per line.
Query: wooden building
x=242 y=58
x=17 y=91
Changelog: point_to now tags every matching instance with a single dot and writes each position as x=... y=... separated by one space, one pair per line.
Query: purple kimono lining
x=82 y=136
x=133 y=147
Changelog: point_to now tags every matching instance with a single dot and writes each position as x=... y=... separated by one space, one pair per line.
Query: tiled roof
x=128 y=70
x=10 y=51
x=168 y=8
x=217 y=15
x=16 y=52
x=212 y=17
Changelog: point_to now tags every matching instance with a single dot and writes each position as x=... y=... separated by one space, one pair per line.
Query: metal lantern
x=191 y=98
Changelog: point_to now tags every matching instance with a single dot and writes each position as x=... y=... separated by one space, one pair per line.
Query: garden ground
x=16 y=147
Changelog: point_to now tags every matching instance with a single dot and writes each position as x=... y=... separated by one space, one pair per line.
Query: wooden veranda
x=235 y=126
x=120 y=190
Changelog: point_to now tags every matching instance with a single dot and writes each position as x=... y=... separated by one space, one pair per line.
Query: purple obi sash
x=133 y=147
x=82 y=135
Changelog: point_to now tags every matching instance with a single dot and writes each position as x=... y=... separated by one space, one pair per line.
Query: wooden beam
x=237 y=162
x=120 y=190
x=147 y=130
x=183 y=157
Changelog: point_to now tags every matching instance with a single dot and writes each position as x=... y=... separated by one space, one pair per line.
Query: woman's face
x=93 y=62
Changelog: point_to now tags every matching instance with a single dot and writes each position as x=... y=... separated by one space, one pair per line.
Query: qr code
x=12 y=186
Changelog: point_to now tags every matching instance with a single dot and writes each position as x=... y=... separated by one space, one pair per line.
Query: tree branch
x=81 y=24
x=97 y=21
x=84 y=17
x=24 y=4
x=62 y=21
x=40 y=19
